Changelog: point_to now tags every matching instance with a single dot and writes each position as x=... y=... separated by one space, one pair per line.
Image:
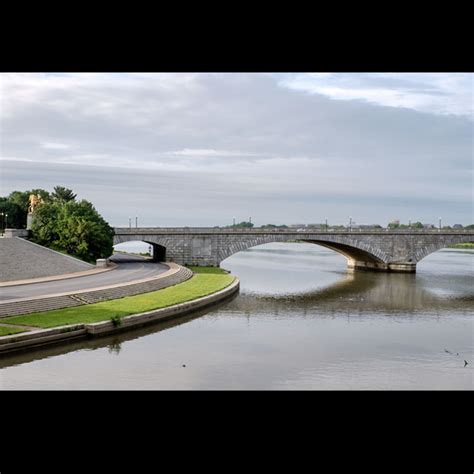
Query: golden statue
x=35 y=200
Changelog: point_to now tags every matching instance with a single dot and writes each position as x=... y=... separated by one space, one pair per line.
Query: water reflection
x=319 y=281
x=113 y=343
x=301 y=321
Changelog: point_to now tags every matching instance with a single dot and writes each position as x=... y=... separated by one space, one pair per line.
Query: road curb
x=66 y=276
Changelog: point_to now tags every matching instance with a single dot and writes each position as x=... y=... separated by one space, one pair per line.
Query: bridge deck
x=223 y=230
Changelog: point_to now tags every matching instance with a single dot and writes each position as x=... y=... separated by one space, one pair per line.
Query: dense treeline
x=61 y=222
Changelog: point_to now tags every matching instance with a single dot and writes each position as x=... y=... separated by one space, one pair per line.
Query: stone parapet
x=11 y=233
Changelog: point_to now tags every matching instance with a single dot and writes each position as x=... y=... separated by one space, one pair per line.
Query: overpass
x=383 y=250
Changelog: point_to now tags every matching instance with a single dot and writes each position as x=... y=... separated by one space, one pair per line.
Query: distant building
x=428 y=226
x=457 y=226
x=297 y=226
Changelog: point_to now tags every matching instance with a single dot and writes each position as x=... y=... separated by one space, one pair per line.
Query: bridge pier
x=404 y=267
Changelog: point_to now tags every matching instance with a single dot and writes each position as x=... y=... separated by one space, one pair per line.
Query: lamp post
x=136 y=222
x=129 y=222
x=350 y=223
x=326 y=221
x=440 y=223
x=6 y=220
x=409 y=223
x=233 y=221
x=1 y=214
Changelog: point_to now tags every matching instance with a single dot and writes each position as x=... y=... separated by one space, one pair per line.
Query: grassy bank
x=213 y=270
x=466 y=245
x=4 y=331
x=201 y=284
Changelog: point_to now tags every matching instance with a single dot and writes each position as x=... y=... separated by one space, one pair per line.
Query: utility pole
x=136 y=222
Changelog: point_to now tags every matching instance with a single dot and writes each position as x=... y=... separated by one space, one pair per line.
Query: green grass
x=212 y=270
x=6 y=331
x=199 y=285
x=466 y=245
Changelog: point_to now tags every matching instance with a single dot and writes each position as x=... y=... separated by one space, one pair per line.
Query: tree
x=417 y=225
x=17 y=203
x=62 y=194
x=22 y=197
x=12 y=215
x=243 y=225
x=73 y=227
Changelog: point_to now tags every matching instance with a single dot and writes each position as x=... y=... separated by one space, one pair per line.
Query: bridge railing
x=220 y=230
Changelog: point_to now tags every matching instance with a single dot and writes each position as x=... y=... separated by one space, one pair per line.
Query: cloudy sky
x=201 y=149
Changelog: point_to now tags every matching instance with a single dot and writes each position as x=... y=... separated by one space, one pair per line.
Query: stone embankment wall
x=41 y=337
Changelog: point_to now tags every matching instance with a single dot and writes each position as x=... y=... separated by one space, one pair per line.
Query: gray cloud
x=200 y=149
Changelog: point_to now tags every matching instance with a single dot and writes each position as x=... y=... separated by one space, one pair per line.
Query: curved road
x=129 y=268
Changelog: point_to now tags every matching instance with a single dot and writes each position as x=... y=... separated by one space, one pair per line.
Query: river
x=300 y=322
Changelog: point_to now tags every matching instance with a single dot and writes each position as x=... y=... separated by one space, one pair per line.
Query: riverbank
x=466 y=245
x=201 y=290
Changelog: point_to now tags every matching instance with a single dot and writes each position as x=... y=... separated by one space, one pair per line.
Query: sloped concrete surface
x=175 y=274
x=21 y=260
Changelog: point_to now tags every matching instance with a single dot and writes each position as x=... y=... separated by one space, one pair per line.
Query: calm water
x=300 y=322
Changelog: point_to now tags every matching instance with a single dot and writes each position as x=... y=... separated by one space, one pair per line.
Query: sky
x=201 y=149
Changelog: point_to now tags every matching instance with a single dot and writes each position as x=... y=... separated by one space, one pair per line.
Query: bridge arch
x=432 y=247
x=353 y=249
x=158 y=251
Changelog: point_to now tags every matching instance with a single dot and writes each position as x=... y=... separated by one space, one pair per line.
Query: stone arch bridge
x=383 y=250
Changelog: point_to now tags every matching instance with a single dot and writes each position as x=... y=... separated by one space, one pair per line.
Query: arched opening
x=356 y=257
x=352 y=254
x=287 y=268
x=134 y=250
x=435 y=255
x=466 y=243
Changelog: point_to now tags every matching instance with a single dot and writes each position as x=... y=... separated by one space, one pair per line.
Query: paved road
x=129 y=268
